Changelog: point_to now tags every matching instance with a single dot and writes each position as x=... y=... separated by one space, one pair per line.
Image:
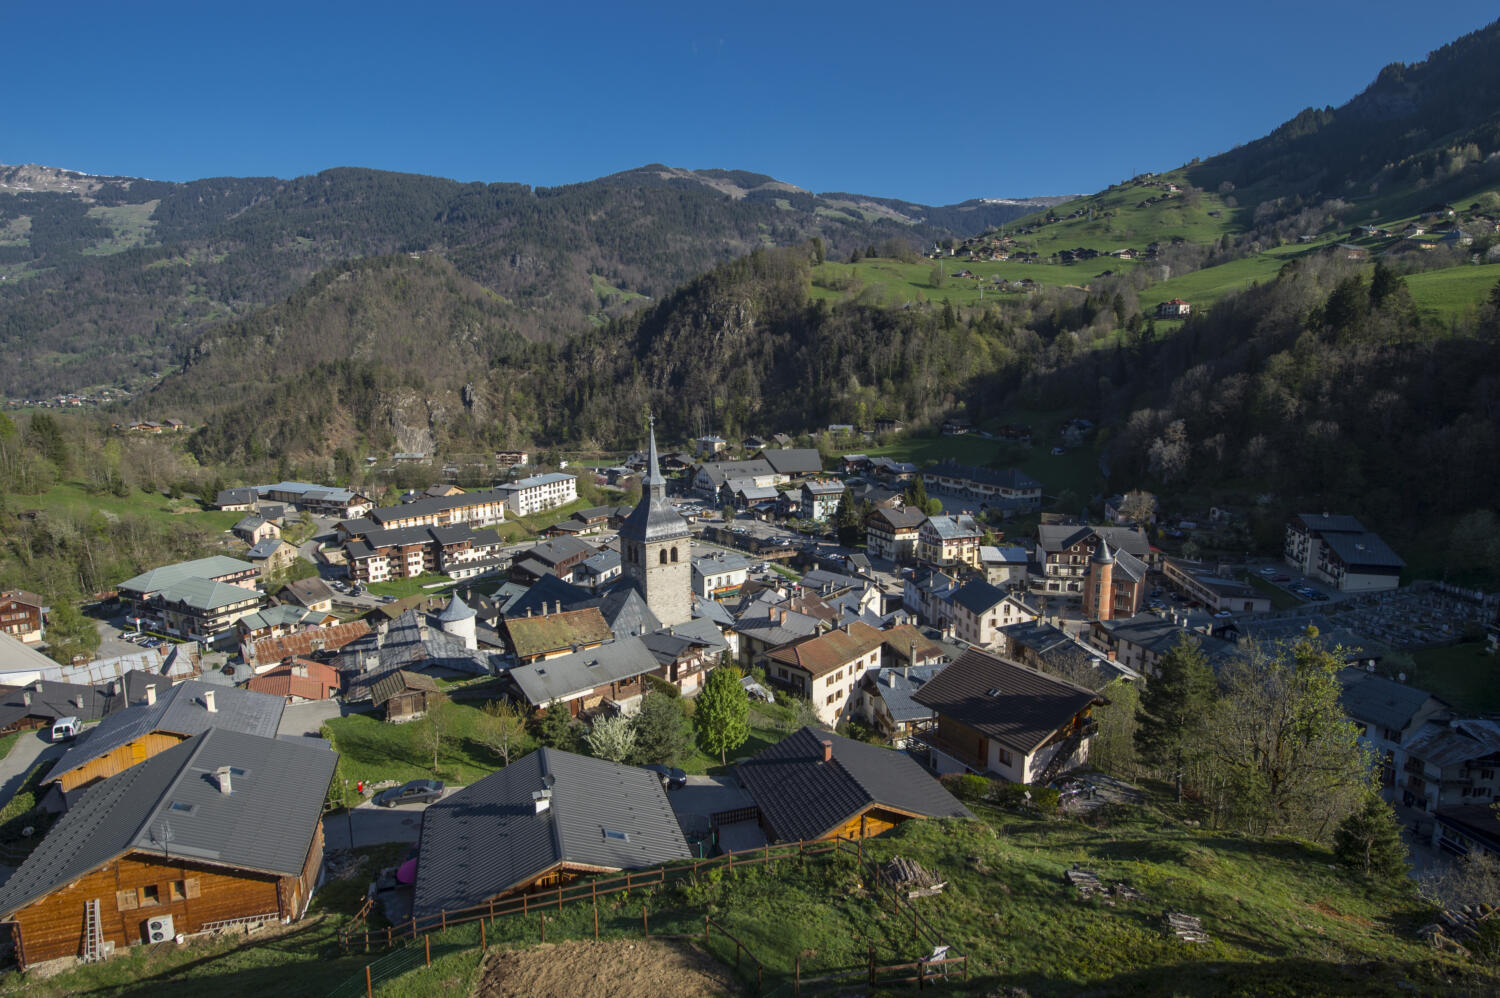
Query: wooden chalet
x=144 y=730
x=221 y=830
x=546 y=819
x=999 y=718
x=818 y=785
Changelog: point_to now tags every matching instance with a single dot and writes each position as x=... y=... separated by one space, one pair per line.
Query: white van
x=64 y=728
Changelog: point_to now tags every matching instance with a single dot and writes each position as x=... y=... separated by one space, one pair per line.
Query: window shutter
x=125 y=900
x=191 y=887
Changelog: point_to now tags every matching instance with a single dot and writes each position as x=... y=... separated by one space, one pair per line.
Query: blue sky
x=933 y=103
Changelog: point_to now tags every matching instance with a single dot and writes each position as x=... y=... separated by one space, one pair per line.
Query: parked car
x=1268 y=570
x=415 y=792
x=671 y=778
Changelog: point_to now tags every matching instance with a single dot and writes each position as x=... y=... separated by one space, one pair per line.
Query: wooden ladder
x=93 y=932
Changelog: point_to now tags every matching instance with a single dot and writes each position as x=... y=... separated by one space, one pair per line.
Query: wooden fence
x=583 y=890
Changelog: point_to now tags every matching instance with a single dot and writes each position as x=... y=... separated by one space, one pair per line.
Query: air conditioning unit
x=160 y=929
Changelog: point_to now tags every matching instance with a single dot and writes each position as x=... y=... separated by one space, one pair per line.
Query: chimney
x=299 y=669
x=78 y=701
x=150 y=695
x=26 y=698
x=225 y=786
x=208 y=702
x=827 y=750
x=541 y=800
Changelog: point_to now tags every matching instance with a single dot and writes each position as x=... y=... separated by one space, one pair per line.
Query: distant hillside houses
x=1174 y=309
x=1010 y=491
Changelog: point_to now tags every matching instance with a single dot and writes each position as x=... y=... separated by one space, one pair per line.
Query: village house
x=199 y=600
x=596 y=572
x=884 y=702
x=23 y=615
x=553 y=635
x=892 y=533
x=140 y=731
x=719 y=575
x=1467 y=830
x=709 y=446
x=1065 y=552
x=543 y=821
x=108 y=876
x=1114 y=585
x=584 y=680
x=252 y=530
x=311 y=593
x=458 y=551
x=709 y=477
x=819 y=498
x=825 y=668
x=816 y=785
x=949 y=541
x=539 y=492
x=274 y=621
x=1387 y=715
x=1174 y=309
x=998 y=718
x=558 y=556
x=792 y=462
x=299 y=680
x=41 y=703
x=1338 y=550
x=925 y=593
x=268 y=652
x=686 y=653
x=978 y=610
x=1007 y=567
x=510 y=458
x=271 y=555
x=241 y=500
x=1138 y=643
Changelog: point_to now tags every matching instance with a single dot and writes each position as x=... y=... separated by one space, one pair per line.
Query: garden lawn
x=1465 y=675
x=374 y=750
x=402 y=588
x=1280 y=598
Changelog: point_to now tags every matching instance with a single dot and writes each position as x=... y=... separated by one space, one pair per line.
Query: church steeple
x=655 y=484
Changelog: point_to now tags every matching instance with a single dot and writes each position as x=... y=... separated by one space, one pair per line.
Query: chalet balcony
x=935 y=741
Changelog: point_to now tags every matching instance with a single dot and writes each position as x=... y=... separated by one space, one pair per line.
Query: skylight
x=610 y=833
x=181 y=807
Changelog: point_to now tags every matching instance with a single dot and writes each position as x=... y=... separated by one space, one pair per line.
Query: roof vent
x=541 y=800
x=994 y=692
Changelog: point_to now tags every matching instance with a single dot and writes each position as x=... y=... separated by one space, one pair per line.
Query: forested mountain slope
x=109 y=279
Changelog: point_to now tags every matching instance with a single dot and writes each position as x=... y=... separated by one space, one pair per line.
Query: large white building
x=539 y=492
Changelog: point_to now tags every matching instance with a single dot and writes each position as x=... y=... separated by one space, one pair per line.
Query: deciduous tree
x=721 y=715
x=612 y=738
x=501 y=729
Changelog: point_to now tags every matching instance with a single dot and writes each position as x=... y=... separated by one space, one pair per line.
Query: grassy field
x=130 y=225
x=75 y=501
x=898 y=282
x=1463 y=674
x=1076 y=471
x=1450 y=293
x=374 y=750
x=1281 y=917
x=1204 y=287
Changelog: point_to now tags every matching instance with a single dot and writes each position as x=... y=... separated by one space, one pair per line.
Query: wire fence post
x=596 y=921
x=388 y=942
x=427 y=942
x=369 y=988
x=543 y=919
x=483 y=945
x=645 y=926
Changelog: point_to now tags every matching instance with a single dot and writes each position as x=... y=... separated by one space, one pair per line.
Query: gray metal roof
x=456 y=610
x=978 y=596
x=205 y=594
x=51 y=700
x=669 y=643
x=896 y=686
x=1362 y=551
x=568 y=676
x=171 y=805
x=182 y=711
x=201 y=568
x=802 y=797
x=954 y=527
x=488 y=838
x=1377 y=700
x=793 y=460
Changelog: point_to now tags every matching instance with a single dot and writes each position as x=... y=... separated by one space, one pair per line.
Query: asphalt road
x=373 y=825
x=32 y=747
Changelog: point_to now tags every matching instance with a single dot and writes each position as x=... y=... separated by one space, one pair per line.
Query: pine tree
x=847 y=519
x=1173 y=706
x=1370 y=839
x=662 y=734
x=721 y=714
x=554 y=728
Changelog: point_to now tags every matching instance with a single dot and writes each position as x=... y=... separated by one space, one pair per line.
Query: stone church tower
x=655 y=546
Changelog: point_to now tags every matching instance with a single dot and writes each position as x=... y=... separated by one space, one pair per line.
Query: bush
x=660 y=685
x=971 y=787
x=1021 y=795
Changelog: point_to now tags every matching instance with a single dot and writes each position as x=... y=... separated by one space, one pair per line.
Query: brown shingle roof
x=901 y=638
x=400 y=681
x=532 y=636
x=304 y=643
x=1017 y=707
x=821 y=654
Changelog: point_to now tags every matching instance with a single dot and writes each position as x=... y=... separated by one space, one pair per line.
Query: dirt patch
x=1324 y=908
x=622 y=968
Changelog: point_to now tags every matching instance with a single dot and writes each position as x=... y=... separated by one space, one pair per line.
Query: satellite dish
x=1401 y=676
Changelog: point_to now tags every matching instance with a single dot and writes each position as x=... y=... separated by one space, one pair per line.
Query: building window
x=149 y=895
x=662 y=556
x=674 y=555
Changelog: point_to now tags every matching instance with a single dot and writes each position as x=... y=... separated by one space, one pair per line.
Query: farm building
x=220 y=829
x=402 y=695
